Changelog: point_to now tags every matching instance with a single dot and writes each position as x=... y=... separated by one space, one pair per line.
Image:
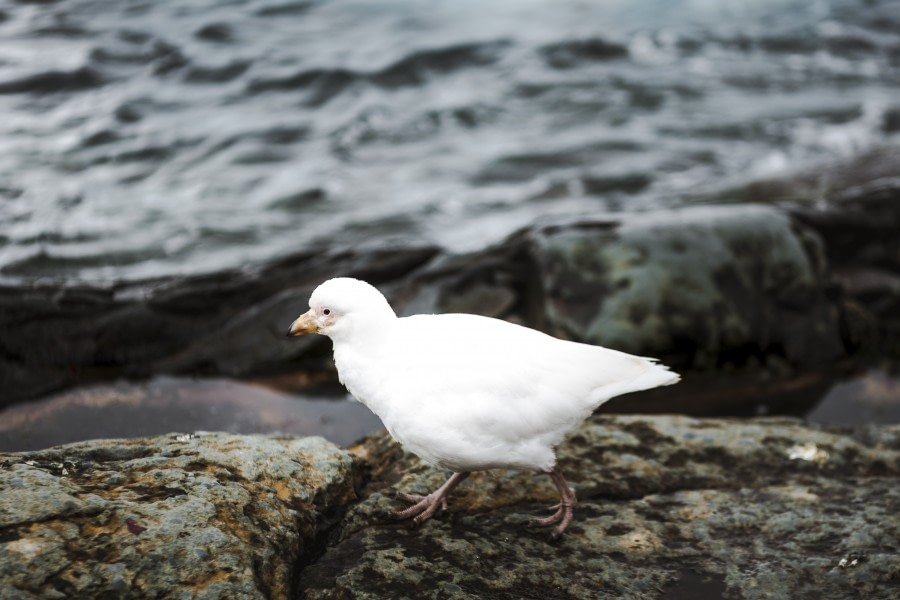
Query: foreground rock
x=669 y=507
x=208 y=516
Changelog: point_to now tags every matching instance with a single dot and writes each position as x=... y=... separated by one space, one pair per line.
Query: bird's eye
x=326 y=312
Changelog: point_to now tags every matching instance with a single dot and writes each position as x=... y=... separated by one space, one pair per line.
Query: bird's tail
x=650 y=376
x=656 y=375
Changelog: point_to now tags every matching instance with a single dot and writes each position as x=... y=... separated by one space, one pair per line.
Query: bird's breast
x=363 y=377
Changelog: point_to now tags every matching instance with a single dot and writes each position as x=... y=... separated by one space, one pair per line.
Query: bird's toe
x=422 y=507
x=546 y=521
x=411 y=498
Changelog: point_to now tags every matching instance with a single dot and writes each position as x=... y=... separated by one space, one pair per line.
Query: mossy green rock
x=730 y=279
x=669 y=507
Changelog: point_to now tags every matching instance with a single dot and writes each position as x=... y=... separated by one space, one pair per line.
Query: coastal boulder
x=177 y=516
x=716 y=284
x=668 y=507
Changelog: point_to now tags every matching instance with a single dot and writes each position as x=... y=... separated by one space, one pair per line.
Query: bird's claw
x=556 y=506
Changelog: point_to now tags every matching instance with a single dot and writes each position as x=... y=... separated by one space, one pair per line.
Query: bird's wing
x=502 y=379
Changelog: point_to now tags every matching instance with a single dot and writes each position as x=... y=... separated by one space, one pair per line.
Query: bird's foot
x=423 y=507
x=563 y=516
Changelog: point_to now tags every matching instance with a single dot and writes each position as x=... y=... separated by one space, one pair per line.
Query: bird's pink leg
x=425 y=506
x=564 y=510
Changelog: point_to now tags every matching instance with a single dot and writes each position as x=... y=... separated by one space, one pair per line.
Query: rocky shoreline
x=771 y=290
x=783 y=277
x=668 y=507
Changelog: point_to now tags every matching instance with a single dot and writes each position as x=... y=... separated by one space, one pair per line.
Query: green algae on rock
x=724 y=277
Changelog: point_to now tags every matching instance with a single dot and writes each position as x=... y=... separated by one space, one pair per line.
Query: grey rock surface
x=669 y=507
x=178 y=516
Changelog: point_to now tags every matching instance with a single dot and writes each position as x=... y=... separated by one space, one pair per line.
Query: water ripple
x=148 y=138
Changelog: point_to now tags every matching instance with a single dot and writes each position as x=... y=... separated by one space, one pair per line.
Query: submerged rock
x=668 y=507
x=178 y=516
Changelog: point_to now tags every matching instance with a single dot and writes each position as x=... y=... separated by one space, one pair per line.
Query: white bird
x=469 y=393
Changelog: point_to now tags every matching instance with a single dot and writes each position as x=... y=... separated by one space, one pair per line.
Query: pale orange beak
x=305 y=323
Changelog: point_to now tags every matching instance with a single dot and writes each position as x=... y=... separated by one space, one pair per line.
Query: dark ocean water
x=153 y=137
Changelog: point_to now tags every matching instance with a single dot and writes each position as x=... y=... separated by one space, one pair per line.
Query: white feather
x=466 y=392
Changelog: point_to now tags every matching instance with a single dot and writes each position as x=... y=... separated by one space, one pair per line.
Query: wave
x=525 y=166
x=418 y=66
x=54 y=82
x=571 y=53
x=322 y=84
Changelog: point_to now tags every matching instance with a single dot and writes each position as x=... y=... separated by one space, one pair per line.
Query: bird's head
x=341 y=306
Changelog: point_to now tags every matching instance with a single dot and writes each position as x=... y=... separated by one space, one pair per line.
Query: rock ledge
x=669 y=507
x=179 y=516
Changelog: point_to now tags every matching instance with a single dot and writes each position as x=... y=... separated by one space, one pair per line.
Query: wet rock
x=705 y=287
x=859 y=226
x=227 y=322
x=854 y=208
x=784 y=277
x=180 y=516
x=668 y=507
x=720 y=283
